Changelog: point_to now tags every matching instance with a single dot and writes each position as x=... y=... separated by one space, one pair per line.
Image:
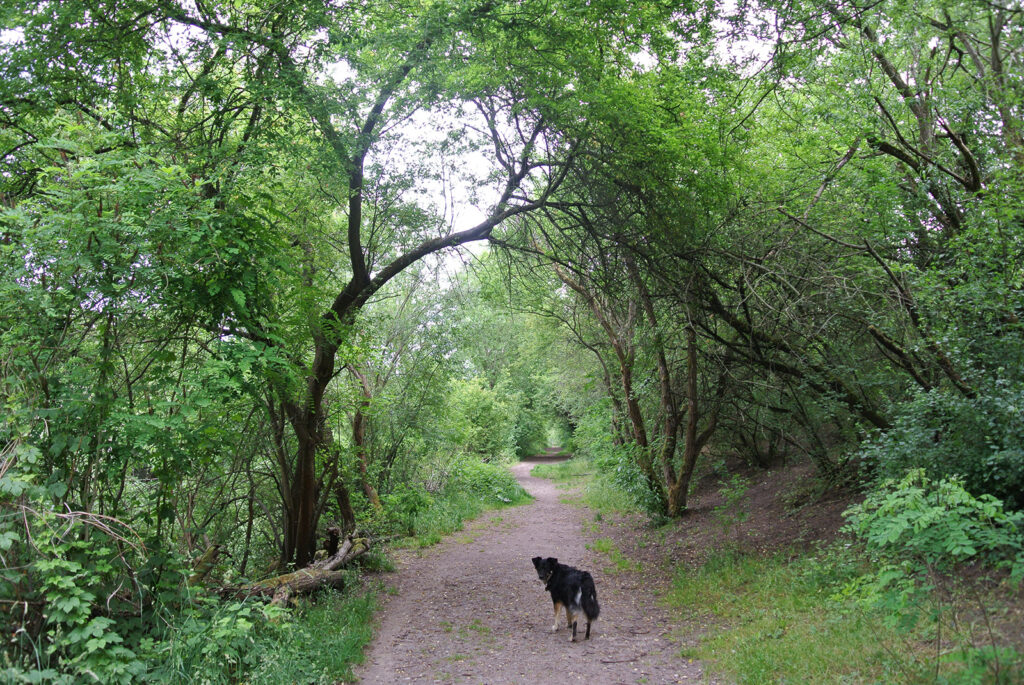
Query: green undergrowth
x=771 y=621
x=619 y=561
x=424 y=518
x=793 y=619
x=570 y=470
x=597 y=491
x=321 y=643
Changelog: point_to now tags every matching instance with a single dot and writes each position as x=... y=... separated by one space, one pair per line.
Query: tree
x=234 y=93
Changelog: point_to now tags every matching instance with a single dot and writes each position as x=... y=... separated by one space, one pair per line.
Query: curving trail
x=471 y=610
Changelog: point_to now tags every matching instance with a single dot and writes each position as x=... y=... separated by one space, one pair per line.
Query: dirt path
x=471 y=610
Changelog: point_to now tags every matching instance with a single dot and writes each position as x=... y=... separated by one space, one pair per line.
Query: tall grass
x=322 y=644
x=779 y=619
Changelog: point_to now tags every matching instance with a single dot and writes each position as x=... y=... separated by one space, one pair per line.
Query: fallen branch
x=320 y=574
x=205 y=564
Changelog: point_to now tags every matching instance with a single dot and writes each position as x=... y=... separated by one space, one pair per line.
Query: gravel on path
x=471 y=609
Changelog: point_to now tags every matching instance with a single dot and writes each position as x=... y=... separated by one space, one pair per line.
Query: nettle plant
x=71 y=576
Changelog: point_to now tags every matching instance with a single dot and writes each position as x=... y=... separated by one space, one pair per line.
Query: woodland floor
x=471 y=609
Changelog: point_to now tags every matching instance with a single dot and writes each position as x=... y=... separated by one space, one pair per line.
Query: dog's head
x=545 y=567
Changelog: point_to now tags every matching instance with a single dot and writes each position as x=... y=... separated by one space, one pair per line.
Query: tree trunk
x=694 y=441
x=359 y=437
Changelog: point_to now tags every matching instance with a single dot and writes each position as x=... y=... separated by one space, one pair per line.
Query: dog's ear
x=552 y=560
x=536 y=562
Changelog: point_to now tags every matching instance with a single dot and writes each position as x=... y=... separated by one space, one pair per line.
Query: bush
x=490 y=482
x=481 y=421
x=464 y=487
x=938 y=523
x=981 y=440
x=916 y=526
x=99 y=604
x=617 y=464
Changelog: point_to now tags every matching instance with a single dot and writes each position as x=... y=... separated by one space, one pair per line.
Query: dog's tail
x=588 y=598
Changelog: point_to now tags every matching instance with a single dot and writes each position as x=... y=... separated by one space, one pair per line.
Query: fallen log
x=205 y=564
x=320 y=574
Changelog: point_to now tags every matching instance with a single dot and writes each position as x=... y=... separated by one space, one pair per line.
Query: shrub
x=914 y=526
x=981 y=440
x=490 y=482
x=617 y=464
x=101 y=605
x=938 y=523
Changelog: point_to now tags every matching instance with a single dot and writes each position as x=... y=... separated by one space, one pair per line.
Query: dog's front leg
x=558 y=608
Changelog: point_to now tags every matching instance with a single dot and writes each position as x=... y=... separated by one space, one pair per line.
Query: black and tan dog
x=569 y=588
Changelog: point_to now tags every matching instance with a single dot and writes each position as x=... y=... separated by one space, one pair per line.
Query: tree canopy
x=237 y=309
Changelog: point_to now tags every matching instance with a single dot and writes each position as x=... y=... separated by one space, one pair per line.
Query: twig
x=624 y=661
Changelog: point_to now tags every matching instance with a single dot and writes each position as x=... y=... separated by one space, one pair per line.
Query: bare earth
x=471 y=609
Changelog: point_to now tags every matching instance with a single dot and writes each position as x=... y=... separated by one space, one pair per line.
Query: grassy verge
x=423 y=518
x=447 y=513
x=597 y=492
x=780 y=619
x=620 y=562
x=321 y=642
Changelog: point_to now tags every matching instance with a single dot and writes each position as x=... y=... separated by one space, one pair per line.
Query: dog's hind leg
x=571 y=622
x=587 y=636
x=558 y=608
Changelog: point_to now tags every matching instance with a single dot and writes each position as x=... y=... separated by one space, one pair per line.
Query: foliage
x=938 y=524
x=978 y=440
x=919 y=529
x=482 y=420
x=111 y=608
x=490 y=483
x=467 y=488
x=320 y=642
x=731 y=512
x=781 y=618
x=616 y=463
x=226 y=235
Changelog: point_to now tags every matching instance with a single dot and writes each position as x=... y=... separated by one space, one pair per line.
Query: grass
x=596 y=492
x=447 y=513
x=605 y=498
x=776 y=619
x=770 y=624
x=620 y=562
x=568 y=470
x=321 y=643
